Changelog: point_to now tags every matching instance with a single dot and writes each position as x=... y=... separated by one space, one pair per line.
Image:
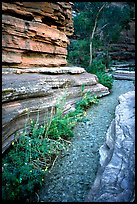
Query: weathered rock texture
x=34 y=38
x=37 y=90
x=115 y=181
x=34 y=34
x=124 y=71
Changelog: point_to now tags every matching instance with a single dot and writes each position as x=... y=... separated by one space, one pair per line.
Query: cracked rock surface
x=74 y=173
x=116 y=175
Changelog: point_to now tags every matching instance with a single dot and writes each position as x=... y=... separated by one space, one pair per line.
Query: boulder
x=115 y=180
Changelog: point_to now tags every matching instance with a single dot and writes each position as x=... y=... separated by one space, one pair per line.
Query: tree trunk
x=93 y=32
x=90 y=61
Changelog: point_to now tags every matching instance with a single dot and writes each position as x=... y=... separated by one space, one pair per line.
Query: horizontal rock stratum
x=36 y=93
x=34 y=50
x=35 y=34
x=115 y=180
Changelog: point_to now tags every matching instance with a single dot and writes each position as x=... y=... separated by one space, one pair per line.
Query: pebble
x=90 y=136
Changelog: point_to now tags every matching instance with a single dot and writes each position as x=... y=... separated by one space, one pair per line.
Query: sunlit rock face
x=35 y=34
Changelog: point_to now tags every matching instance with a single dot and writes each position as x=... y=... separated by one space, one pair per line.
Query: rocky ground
x=74 y=173
x=115 y=179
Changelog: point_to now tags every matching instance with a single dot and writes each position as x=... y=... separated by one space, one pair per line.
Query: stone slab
x=37 y=92
x=115 y=180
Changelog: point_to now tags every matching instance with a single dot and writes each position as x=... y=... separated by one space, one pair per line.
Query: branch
x=53 y=163
x=93 y=32
x=37 y=196
x=97 y=32
x=96 y=19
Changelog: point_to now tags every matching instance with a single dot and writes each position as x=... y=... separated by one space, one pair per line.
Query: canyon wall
x=124 y=48
x=34 y=34
x=34 y=78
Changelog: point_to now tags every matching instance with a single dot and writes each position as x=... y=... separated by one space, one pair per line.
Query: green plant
x=27 y=162
x=105 y=79
x=78 y=52
x=98 y=67
x=37 y=148
x=20 y=175
x=86 y=101
x=97 y=30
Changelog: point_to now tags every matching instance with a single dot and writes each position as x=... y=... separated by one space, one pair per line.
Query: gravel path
x=72 y=175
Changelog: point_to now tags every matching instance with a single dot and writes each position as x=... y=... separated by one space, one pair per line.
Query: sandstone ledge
x=115 y=181
x=46 y=70
x=36 y=93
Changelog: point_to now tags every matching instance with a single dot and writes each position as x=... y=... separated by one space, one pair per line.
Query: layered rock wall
x=32 y=94
x=34 y=34
x=34 y=46
x=124 y=48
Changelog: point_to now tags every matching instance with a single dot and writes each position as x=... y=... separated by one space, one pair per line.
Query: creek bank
x=73 y=174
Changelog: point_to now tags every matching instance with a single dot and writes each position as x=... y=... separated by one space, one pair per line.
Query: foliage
x=78 y=52
x=113 y=18
x=105 y=79
x=25 y=164
x=86 y=101
x=98 y=67
x=36 y=149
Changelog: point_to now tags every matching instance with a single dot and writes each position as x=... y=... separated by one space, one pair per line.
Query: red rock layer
x=34 y=34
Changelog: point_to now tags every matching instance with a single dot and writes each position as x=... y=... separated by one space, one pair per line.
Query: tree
x=96 y=26
x=93 y=32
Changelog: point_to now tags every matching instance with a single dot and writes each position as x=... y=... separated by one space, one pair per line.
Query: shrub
x=20 y=175
x=78 y=53
x=105 y=79
x=87 y=101
x=98 y=68
x=36 y=149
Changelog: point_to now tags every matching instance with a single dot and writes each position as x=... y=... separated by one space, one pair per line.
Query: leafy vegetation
x=96 y=26
x=105 y=79
x=111 y=20
x=98 y=68
x=35 y=151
